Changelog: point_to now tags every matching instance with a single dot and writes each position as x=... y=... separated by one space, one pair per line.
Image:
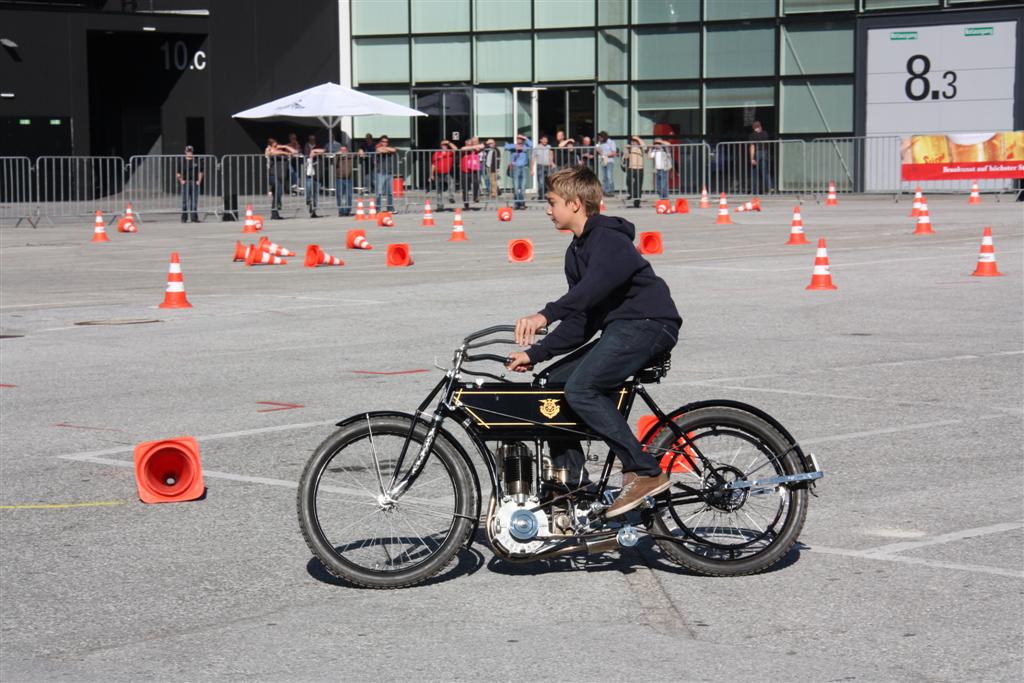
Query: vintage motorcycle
x=390 y=498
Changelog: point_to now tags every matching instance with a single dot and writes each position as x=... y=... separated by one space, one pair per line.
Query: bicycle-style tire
x=373 y=544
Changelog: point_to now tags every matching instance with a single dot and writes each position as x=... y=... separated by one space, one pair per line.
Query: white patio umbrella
x=327 y=103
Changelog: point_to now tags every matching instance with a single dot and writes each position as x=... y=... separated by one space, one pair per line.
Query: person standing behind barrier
x=277 y=167
x=442 y=163
x=366 y=149
x=542 y=163
x=558 y=156
x=587 y=156
x=190 y=177
x=633 y=165
x=343 y=181
x=313 y=158
x=490 y=161
x=570 y=157
x=608 y=151
x=662 y=165
x=469 y=164
x=760 y=160
x=519 y=164
x=385 y=164
x=295 y=163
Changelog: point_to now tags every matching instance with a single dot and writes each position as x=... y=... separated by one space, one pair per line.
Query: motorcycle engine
x=517 y=528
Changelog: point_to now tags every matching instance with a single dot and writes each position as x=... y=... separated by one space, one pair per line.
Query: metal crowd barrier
x=16 y=190
x=168 y=184
x=780 y=168
x=79 y=186
x=854 y=164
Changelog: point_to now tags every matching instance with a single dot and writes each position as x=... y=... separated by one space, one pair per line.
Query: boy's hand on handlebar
x=527 y=327
x=518 y=362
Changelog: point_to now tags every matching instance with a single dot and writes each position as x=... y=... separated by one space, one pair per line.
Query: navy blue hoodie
x=608 y=280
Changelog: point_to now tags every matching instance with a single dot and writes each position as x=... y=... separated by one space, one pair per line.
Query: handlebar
x=494 y=329
x=485 y=356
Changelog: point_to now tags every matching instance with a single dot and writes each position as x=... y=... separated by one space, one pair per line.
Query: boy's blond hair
x=579 y=183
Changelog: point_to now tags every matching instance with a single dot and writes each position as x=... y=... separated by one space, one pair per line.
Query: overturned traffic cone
x=924 y=221
x=682 y=205
x=127 y=222
x=987 y=257
x=258 y=257
x=755 y=204
x=975 y=197
x=360 y=214
x=821 y=277
x=505 y=214
x=398 y=255
x=746 y=206
x=249 y=226
x=271 y=248
x=99 y=231
x=372 y=213
x=831 y=200
x=705 y=203
x=356 y=239
x=723 y=212
x=241 y=251
x=520 y=251
x=428 y=216
x=315 y=256
x=386 y=219
x=663 y=206
x=174 y=296
x=650 y=243
x=169 y=471
x=796 y=230
x=915 y=210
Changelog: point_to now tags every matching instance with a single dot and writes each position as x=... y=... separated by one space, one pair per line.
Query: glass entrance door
x=448 y=117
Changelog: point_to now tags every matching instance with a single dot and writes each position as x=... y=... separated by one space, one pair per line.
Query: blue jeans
x=519 y=186
x=382 y=182
x=761 y=174
x=276 y=189
x=661 y=183
x=312 y=193
x=607 y=176
x=624 y=348
x=542 y=174
x=189 y=197
x=343 y=191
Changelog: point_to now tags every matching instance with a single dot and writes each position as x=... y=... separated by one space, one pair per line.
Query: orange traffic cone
x=915 y=210
x=831 y=199
x=650 y=243
x=704 y=202
x=169 y=471
x=600 y=208
x=99 y=232
x=975 y=197
x=924 y=221
x=258 y=257
x=385 y=219
x=372 y=214
x=723 y=212
x=315 y=256
x=505 y=214
x=682 y=205
x=520 y=251
x=746 y=206
x=457 y=221
x=663 y=206
x=796 y=230
x=987 y=257
x=360 y=214
x=398 y=255
x=271 y=248
x=127 y=222
x=241 y=251
x=821 y=277
x=458 y=232
x=356 y=239
x=428 y=216
x=755 y=204
x=174 y=296
x=249 y=226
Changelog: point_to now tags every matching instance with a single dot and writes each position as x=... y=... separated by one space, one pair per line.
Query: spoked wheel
x=721 y=531
x=357 y=531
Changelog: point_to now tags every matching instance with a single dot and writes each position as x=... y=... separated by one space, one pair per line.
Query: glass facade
x=693 y=69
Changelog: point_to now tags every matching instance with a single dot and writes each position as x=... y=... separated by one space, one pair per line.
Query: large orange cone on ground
x=174 y=297
x=315 y=256
x=975 y=197
x=987 y=257
x=822 y=275
x=258 y=257
x=663 y=206
x=458 y=231
x=831 y=199
x=241 y=251
x=127 y=222
x=428 y=216
x=915 y=210
x=457 y=221
x=520 y=251
x=682 y=205
x=644 y=425
x=705 y=203
x=356 y=239
x=99 y=231
x=272 y=248
x=505 y=214
x=169 y=471
x=650 y=243
x=398 y=255
x=723 y=212
x=360 y=214
x=924 y=221
x=796 y=230
x=386 y=219
x=249 y=226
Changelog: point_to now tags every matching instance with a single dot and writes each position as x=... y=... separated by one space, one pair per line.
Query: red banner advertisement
x=963 y=156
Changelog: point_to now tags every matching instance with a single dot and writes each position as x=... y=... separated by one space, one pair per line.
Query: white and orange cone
x=705 y=203
x=600 y=208
x=360 y=214
x=356 y=239
x=975 y=197
x=458 y=231
x=99 y=231
x=175 y=297
x=723 y=212
x=272 y=248
x=924 y=221
x=796 y=229
x=831 y=199
x=428 y=215
x=315 y=256
x=258 y=257
x=915 y=210
x=372 y=214
x=987 y=257
x=821 y=278
x=249 y=226
x=127 y=222
x=241 y=251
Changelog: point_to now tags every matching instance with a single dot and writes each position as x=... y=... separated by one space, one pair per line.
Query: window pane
x=720 y=95
x=503 y=58
x=889 y=4
x=564 y=56
x=440 y=58
x=438 y=16
x=612 y=12
x=666 y=53
x=368 y=16
x=380 y=60
x=817 y=107
x=740 y=52
x=666 y=110
x=797 y=6
x=493 y=112
x=612 y=55
x=392 y=126
x=739 y=9
x=612 y=105
x=817 y=49
x=665 y=11
x=561 y=13
x=501 y=15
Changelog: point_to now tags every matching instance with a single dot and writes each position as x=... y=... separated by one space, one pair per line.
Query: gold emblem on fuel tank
x=549 y=407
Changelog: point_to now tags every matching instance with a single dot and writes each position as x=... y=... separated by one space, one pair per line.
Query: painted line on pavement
x=945 y=538
x=61 y=506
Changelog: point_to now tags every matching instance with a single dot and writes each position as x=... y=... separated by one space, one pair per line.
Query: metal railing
x=16 y=189
x=79 y=186
x=759 y=168
x=174 y=184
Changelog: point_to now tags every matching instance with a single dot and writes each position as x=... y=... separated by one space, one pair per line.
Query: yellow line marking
x=58 y=506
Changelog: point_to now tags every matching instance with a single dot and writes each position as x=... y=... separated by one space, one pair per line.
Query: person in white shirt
x=608 y=151
x=659 y=153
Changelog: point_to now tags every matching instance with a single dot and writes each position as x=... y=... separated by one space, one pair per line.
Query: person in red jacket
x=441 y=166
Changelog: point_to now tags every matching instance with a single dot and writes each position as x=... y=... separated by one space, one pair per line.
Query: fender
x=442 y=433
x=805 y=462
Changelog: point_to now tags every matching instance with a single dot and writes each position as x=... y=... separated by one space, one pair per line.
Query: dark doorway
x=195 y=133
x=570 y=110
x=733 y=123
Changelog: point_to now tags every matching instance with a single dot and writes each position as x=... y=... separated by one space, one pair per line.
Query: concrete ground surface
x=907 y=382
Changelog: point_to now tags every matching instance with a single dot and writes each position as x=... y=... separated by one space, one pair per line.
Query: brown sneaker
x=634 y=489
